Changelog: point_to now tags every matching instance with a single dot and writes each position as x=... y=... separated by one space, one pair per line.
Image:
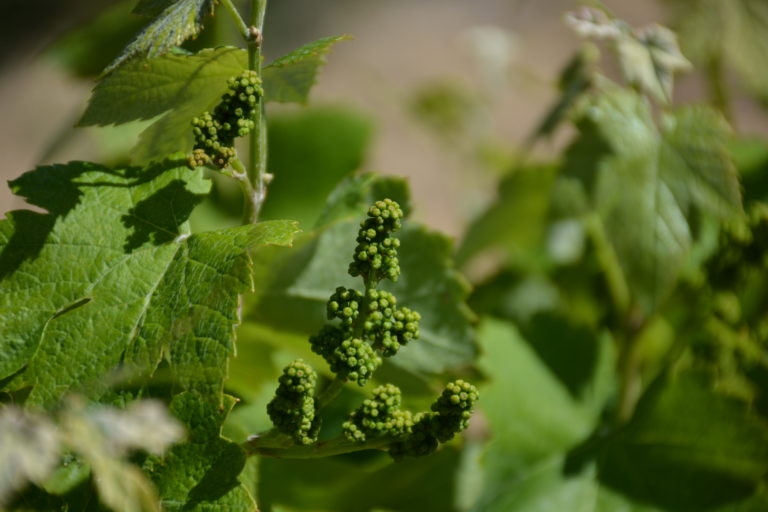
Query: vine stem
x=257 y=140
x=261 y=445
x=329 y=393
x=241 y=176
x=256 y=173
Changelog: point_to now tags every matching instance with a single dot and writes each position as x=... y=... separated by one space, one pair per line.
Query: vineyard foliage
x=182 y=328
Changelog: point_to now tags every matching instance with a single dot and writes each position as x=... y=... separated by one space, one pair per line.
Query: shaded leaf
x=533 y=420
x=575 y=80
x=687 y=448
x=353 y=484
x=645 y=183
x=515 y=221
x=176 y=87
x=102 y=436
x=202 y=473
x=111 y=272
x=742 y=36
x=177 y=22
x=148 y=88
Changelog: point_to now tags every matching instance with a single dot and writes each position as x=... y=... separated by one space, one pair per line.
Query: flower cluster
x=292 y=410
x=375 y=256
x=234 y=116
x=366 y=327
x=449 y=415
x=379 y=416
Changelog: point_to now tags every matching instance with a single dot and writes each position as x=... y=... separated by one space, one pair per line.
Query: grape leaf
x=534 y=420
x=349 y=485
x=289 y=78
x=524 y=200
x=110 y=271
x=576 y=78
x=687 y=448
x=174 y=88
x=179 y=21
x=297 y=287
x=543 y=487
x=742 y=36
x=143 y=89
x=649 y=58
x=202 y=473
x=645 y=182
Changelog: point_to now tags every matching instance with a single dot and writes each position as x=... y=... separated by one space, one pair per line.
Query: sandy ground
x=398 y=45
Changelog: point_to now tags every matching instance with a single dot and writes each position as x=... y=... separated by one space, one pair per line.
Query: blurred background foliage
x=603 y=270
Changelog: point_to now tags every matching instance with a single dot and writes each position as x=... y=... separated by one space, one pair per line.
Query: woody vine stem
x=255 y=178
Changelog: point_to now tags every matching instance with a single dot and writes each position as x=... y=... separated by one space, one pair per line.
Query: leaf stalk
x=258 y=445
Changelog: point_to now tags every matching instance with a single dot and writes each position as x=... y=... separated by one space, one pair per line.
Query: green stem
x=630 y=385
x=329 y=393
x=335 y=446
x=609 y=262
x=241 y=26
x=246 y=188
x=257 y=141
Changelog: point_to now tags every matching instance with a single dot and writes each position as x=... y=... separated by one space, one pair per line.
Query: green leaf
x=177 y=22
x=300 y=284
x=179 y=87
x=290 y=78
x=545 y=488
x=531 y=414
x=110 y=273
x=649 y=58
x=334 y=139
x=516 y=220
x=533 y=420
x=687 y=448
x=645 y=183
x=144 y=89
x=575 y=79
x=202 y=473
x=176 y=87
x=350 y=484
x=742 y=37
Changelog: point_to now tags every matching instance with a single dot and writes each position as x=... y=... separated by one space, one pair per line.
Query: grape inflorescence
x=234 y=116
x=363 y=329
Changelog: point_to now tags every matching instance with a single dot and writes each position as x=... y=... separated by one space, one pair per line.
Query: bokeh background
x=579 y=311
x=509 y=52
